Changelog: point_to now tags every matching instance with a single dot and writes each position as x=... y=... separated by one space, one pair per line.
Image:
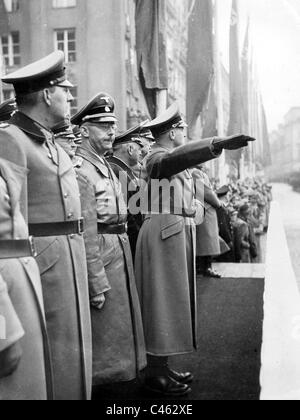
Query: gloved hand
x=232 y=143
x=10 y=359
x=97 y=302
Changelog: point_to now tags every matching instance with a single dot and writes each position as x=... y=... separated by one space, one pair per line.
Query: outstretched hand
x=233 y=142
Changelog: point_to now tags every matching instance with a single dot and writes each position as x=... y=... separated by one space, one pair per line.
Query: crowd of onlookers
x=240 y=213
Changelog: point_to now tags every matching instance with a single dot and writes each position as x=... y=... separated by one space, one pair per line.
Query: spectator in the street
x=242 y=235
x=225 y=226
x=257 y=223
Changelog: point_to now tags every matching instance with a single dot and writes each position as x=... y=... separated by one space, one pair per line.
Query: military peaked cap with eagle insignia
x=100 y=109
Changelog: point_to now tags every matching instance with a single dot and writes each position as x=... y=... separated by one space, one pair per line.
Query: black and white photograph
x=149 y=203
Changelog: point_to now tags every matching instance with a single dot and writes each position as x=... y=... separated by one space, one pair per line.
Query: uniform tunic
x=118 y=340
x=53 y=196
x=21 y=301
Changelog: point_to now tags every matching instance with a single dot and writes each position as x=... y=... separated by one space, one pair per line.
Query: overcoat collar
x=124 y=167
x=94 y=159
x=32 y=128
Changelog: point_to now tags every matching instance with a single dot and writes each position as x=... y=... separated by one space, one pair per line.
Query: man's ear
x=84 y=131
x=130 y=149
x=172 y=135
x=47 y=97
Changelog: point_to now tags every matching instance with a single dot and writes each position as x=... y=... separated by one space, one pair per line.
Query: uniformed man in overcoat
x=208 y=239
x=128 y=148
x=65 y=137
x=51 y=202
x=118 y=339
x=25 y=365
x=165 y=258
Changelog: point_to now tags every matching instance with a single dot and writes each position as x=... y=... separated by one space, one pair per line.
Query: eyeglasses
x=105 y=126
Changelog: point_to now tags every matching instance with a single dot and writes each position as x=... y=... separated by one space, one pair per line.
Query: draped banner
x=200 y=61
x=151 y=48
x=236 y=102
x=4 y=28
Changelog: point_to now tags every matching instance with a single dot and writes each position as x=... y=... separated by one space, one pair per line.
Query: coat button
x=66 y=195
x=70 y=215
x=26 y=261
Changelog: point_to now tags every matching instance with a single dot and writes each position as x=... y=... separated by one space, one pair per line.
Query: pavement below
x=289 y=201
x=228 y=361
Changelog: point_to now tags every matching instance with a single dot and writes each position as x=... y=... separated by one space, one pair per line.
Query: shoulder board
x=78 y=162
x=4 y=125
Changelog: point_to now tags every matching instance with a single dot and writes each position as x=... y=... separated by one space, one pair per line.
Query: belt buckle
x=32 y=246
x=80 y=226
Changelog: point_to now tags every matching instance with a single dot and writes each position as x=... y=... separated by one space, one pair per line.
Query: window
x=65 y=40
x=12 y=5
x=74 y=104
x=63 y=3
x=11 y=49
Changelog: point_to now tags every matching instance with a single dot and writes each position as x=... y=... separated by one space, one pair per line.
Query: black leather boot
x=182 y=378
x=165 y=385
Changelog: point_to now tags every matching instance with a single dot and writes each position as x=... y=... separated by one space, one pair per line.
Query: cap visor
x=65 y=84
x=108 y=118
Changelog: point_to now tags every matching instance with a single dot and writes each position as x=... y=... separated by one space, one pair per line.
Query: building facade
x=98 y=38
x=285 y=146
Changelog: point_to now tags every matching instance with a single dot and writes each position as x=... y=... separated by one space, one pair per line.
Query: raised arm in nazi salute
x=165 y=258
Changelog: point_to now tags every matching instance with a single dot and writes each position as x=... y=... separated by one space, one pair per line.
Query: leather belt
x=112 y=229
x=184 y=215
x=40 y=230
x=17 y=248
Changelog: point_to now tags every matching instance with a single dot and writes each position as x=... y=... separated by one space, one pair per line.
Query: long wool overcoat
x=166 y=254
x=52 y=195
x=118 y=338
x=21 y=301
x=208 y=239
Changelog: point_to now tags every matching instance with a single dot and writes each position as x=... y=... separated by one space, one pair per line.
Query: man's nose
x=111 y=131
x=70 y=97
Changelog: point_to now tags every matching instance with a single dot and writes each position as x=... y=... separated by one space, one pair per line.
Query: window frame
x=55 y=4
x=12 y=6
x=11 y=59
x=66 y=41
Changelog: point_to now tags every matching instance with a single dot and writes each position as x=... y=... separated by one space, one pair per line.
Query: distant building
x=285 y=145
x=98 y=38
